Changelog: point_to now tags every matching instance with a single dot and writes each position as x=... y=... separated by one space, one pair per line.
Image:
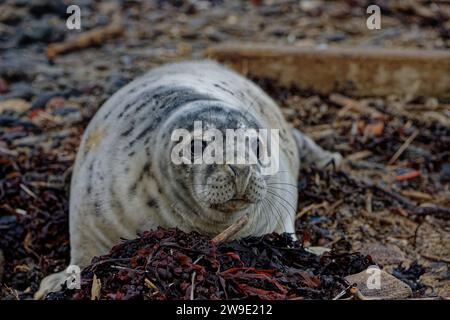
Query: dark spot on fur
x=97 y=208
x=128 y=131
x=224 y=89
x=133 y=190
x=152 y=203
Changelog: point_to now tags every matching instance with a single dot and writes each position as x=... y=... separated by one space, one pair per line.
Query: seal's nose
x=241 y=177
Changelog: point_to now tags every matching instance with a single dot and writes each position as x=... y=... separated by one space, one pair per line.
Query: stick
x=403 y=148
x=355 y=106
x=231 y=230
x=191 y=296
x=87 y=39
x=343 y=292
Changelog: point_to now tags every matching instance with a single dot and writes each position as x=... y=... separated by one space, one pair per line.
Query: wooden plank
x=352 y=71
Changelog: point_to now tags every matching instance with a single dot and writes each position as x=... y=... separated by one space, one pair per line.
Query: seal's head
x=216 y=161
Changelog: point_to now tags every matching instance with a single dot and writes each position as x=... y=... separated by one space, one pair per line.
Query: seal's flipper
x=51 y=283
x=312 y=154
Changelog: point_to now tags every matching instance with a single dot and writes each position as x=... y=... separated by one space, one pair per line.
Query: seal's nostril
x=234 y=169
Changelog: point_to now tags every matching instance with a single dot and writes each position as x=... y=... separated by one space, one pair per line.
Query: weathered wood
x=352 y=71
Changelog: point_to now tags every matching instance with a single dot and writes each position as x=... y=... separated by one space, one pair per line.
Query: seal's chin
x=233 y=205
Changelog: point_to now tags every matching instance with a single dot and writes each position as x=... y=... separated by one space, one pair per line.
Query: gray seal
x=125 y=181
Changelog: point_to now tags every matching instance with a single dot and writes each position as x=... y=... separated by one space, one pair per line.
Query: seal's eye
x=201 y=143
x=257 y=148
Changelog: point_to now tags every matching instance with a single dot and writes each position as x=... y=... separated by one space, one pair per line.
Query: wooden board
x=352 y=71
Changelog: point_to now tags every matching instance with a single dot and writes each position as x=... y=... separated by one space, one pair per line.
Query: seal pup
x=125 y=180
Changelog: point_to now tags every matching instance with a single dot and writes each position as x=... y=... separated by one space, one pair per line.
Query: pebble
x=2 y=262
x=335 y=37
x=383 y=254
x=11 y=69
x=70 y=113
x=40 y=7
x=12 y=121
x=11 y=15
x=30 y=141
x=9 y=136
x=389 y=286
x=39 y=31
x=41 y=101
x=20 y=90
x=3 y=86
x=17 y=105
x=116 y=81
x=445 y=172
x=63 y=111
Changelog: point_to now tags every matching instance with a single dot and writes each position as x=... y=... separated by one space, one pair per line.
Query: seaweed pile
x=170 y=264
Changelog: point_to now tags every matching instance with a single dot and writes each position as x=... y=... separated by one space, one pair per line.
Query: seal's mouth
x=233 y=205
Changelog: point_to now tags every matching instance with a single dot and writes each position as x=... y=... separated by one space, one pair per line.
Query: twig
x=333 y=207
x=343 y=292
x=402 y=149
x=435 y=258
x=355 y=106
x=417 y=195
x=311 y=207
x=87 y=39
x=192 y=285
x=150 y=285
x=369 y=201
x=231 y=230
x=28 y=191
x=359 y=155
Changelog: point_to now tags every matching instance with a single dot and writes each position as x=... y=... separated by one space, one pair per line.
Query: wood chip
x=96 y=288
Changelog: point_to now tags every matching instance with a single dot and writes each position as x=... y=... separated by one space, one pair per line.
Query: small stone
x=115 y=82
x=376 y=283
x=41 y=101
x=39 y=31
x=2 y=262
x=16 y=69
x=55 y=103
x=335 y=37
x=29 y=141
x=17 y=105
x=383 y=254
x=3 y=86
x=445 y=172
x=63 y=111
x=41 y=7
x=11 y=15
x=20 y=90
x=433 y=239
